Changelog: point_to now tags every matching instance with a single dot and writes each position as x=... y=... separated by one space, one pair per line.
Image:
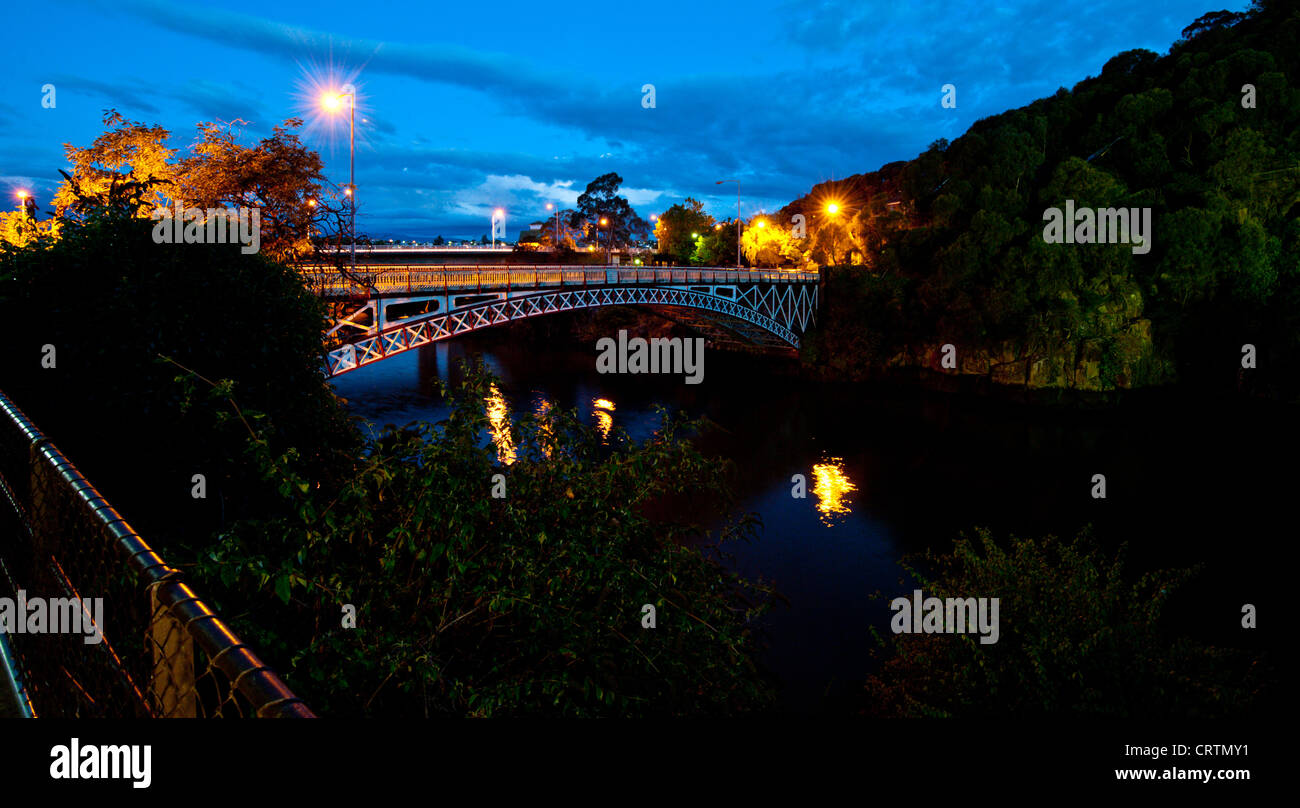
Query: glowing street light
x=26 y=203
x=832 y=208
x=498 y=214
x=332 y=102
x=556 y=208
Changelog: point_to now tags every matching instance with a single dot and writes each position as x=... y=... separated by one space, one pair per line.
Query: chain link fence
x=154 y=650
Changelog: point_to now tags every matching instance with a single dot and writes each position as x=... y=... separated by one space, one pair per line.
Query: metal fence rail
x=330 y=282
x=163 y=653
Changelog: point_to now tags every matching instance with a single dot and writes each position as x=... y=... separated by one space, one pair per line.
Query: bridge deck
x=369 y=280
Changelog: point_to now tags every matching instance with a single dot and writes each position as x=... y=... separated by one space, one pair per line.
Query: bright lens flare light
x=833 y=208
x=831 y=486
x=323 y=96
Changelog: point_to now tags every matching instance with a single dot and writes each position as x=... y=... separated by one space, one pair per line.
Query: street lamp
x=604 y=222
x=549 y=206
x=832 y=208
x=719 y=182
x=27 y=204
x=332 y=102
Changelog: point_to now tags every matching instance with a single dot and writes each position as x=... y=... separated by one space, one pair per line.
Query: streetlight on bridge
x=719 y=182
x=498 y=215
x=332 y=102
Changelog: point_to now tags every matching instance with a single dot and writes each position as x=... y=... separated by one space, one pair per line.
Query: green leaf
x=282 y=585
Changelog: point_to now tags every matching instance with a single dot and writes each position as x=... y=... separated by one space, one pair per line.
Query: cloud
x=856 y=85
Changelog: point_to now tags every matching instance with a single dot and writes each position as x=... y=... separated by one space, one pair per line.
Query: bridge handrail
x=327 y=280
x=69 y=541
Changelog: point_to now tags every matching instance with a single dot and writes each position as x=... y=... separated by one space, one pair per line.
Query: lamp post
x=603 y=223
x=719 y=182
x=549 y=206
x=654 y=217
x=499 y=213
x=332 y=102
x=833 y=208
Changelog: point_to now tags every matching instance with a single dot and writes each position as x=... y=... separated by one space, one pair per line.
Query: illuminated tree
x=279 y=176
x=679 y=227
x=129 y=145
x=766 y=244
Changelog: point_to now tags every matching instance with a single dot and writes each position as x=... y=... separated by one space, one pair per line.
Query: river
x=896 y=470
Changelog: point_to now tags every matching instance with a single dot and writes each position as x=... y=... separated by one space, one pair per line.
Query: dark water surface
x=892 y=471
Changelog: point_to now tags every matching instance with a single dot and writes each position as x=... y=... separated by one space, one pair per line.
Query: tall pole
x=737 y=225
x=352 y=176
x=719 y=182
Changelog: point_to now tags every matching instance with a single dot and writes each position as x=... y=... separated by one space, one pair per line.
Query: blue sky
x=471 y=106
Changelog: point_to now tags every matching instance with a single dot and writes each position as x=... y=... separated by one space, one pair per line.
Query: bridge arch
x=763 y=307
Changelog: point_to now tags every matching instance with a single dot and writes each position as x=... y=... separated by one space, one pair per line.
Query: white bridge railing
x=370 y=280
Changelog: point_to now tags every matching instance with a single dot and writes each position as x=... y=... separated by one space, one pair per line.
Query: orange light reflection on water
x=499 y=423
x=604 y=420
x=831 y=486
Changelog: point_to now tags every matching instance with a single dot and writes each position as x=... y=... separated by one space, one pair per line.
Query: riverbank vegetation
x=1078 y=637
x=947 y=248
x=526 y=603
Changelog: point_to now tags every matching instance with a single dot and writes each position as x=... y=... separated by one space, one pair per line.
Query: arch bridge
x=377 y=312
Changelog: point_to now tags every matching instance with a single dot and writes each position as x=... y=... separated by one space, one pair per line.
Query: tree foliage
x=1076 y=638
x=526 y=604
x=962 y=224
x=279 y=176
x=679 y=228
x=601 y=201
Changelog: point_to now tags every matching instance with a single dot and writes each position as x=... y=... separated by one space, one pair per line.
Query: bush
x=1075 y=639
x=530 y=603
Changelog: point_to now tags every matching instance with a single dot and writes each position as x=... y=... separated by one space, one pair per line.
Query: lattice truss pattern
x=783 y=310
